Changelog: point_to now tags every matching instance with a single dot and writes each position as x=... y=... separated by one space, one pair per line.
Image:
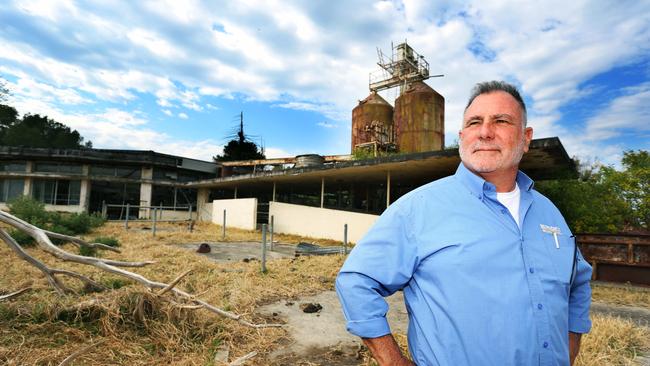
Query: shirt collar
x=479 y=186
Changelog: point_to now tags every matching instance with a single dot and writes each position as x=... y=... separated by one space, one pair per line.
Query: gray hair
x=487 y=87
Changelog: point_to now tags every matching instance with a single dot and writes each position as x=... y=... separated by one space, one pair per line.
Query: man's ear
x=528 y=136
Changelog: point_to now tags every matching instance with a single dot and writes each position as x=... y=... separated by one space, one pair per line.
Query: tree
x=34 y=130
x=240 y=148
x=604 y=199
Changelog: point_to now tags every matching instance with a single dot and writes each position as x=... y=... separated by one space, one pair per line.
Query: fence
x=617 y=257
x=152 y=214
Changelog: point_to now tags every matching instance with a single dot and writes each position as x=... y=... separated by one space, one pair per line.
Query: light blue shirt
x=478 y=289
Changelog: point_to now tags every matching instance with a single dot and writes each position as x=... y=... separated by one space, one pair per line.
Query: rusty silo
x=419 y=119
x=372 y=121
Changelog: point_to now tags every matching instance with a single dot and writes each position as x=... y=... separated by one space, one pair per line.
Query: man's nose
x=487 y=130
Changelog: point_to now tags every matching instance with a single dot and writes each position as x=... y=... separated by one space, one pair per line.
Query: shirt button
x=503 y=211
x=545 y=345
x=539 y=306
x=531 y=270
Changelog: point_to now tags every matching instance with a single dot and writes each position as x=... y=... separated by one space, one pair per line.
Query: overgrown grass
x=140 y=328
x=621 y=295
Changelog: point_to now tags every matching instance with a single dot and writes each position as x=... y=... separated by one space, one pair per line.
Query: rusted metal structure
x=372 y=121
x=617 y=257
x=419 y=119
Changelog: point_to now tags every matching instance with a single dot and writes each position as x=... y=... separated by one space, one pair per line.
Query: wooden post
x=345 y=238
x=387 y=189
x=153 y=225
x=223 y=236
x=263 y=248
x=272 y=229
x=126 y=219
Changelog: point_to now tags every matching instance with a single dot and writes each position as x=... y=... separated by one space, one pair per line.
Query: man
x=489 y=269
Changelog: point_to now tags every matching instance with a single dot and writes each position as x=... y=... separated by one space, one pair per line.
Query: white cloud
x=316 y=56
x=182 y=116
x=167 y=112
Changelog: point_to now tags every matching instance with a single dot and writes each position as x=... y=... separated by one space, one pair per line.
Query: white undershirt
x=511 y=201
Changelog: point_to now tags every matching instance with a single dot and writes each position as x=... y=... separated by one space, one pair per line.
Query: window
x=134 y=172
x=54 y=167
x=57 y=192
x=13 y=166
x=173 y=197
x=11 y=188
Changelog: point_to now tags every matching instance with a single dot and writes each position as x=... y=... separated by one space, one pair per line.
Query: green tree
x=604 y=199
x=34 y=130
x=240 y=150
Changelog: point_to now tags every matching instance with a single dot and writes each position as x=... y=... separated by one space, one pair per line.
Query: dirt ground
x=320 y=338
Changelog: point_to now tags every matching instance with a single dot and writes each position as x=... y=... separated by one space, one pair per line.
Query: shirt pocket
x=560 y=254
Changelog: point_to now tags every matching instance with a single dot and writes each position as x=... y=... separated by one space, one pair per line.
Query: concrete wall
x=240 y=213
x=57 y=208
x=319 y=222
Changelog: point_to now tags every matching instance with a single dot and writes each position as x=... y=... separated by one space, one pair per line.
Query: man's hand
x=386 y=351
x=574 y=346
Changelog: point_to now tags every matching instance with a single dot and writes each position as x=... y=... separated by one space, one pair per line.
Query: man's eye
x=502 y=121
x=472 y=123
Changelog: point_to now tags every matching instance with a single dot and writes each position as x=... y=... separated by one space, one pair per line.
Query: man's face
x=492 y=138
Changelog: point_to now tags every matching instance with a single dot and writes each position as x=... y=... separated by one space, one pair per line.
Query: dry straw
x=137 y=327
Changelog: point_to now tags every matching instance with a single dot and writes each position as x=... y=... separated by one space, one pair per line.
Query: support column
x=273 y=198
x=322 y=191
x=387 y=189
x=146 y=189
x=202 y=196
x=235 y=193
x=27 y=187
x=84 y=192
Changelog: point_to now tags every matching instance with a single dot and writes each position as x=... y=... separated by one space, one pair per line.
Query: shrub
x=87 y=251
x=30 y=210
x=21 y=238
x=107 y=240
x=33 y=212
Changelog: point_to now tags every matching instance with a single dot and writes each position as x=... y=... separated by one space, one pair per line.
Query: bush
x=87 y=251
x=107 y=240
x=30 y=210
x=21 y=238
x=33 y=212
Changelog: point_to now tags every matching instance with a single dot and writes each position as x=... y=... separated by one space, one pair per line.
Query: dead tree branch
x=80 y=352
x=107 y=265
x=14 y=294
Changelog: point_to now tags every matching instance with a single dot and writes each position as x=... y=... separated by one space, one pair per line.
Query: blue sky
x=172 y=76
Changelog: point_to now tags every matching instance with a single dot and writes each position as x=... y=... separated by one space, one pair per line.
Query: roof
x=106 y=156
x=546 y=159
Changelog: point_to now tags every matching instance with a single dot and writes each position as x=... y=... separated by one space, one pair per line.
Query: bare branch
x=14 y=294
x=80 y=242
x=110 y=266
x=242 y=359
x=80 y=352
x=174 y=283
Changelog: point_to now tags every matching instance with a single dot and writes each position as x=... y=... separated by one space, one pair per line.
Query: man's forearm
x=386 y=351
x=574 y=345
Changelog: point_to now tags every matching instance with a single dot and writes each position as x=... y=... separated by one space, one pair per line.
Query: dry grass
x=138 y=327
x=612 y=341
x=39 y=328
x=621 y=295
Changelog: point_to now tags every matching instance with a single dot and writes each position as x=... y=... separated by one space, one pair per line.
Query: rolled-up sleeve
x=380 y=264
x=580 y=298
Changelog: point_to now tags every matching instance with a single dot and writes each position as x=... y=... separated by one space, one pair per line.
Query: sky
x=174 y=76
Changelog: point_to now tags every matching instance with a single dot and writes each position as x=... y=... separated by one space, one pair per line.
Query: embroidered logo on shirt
x=552 y=230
